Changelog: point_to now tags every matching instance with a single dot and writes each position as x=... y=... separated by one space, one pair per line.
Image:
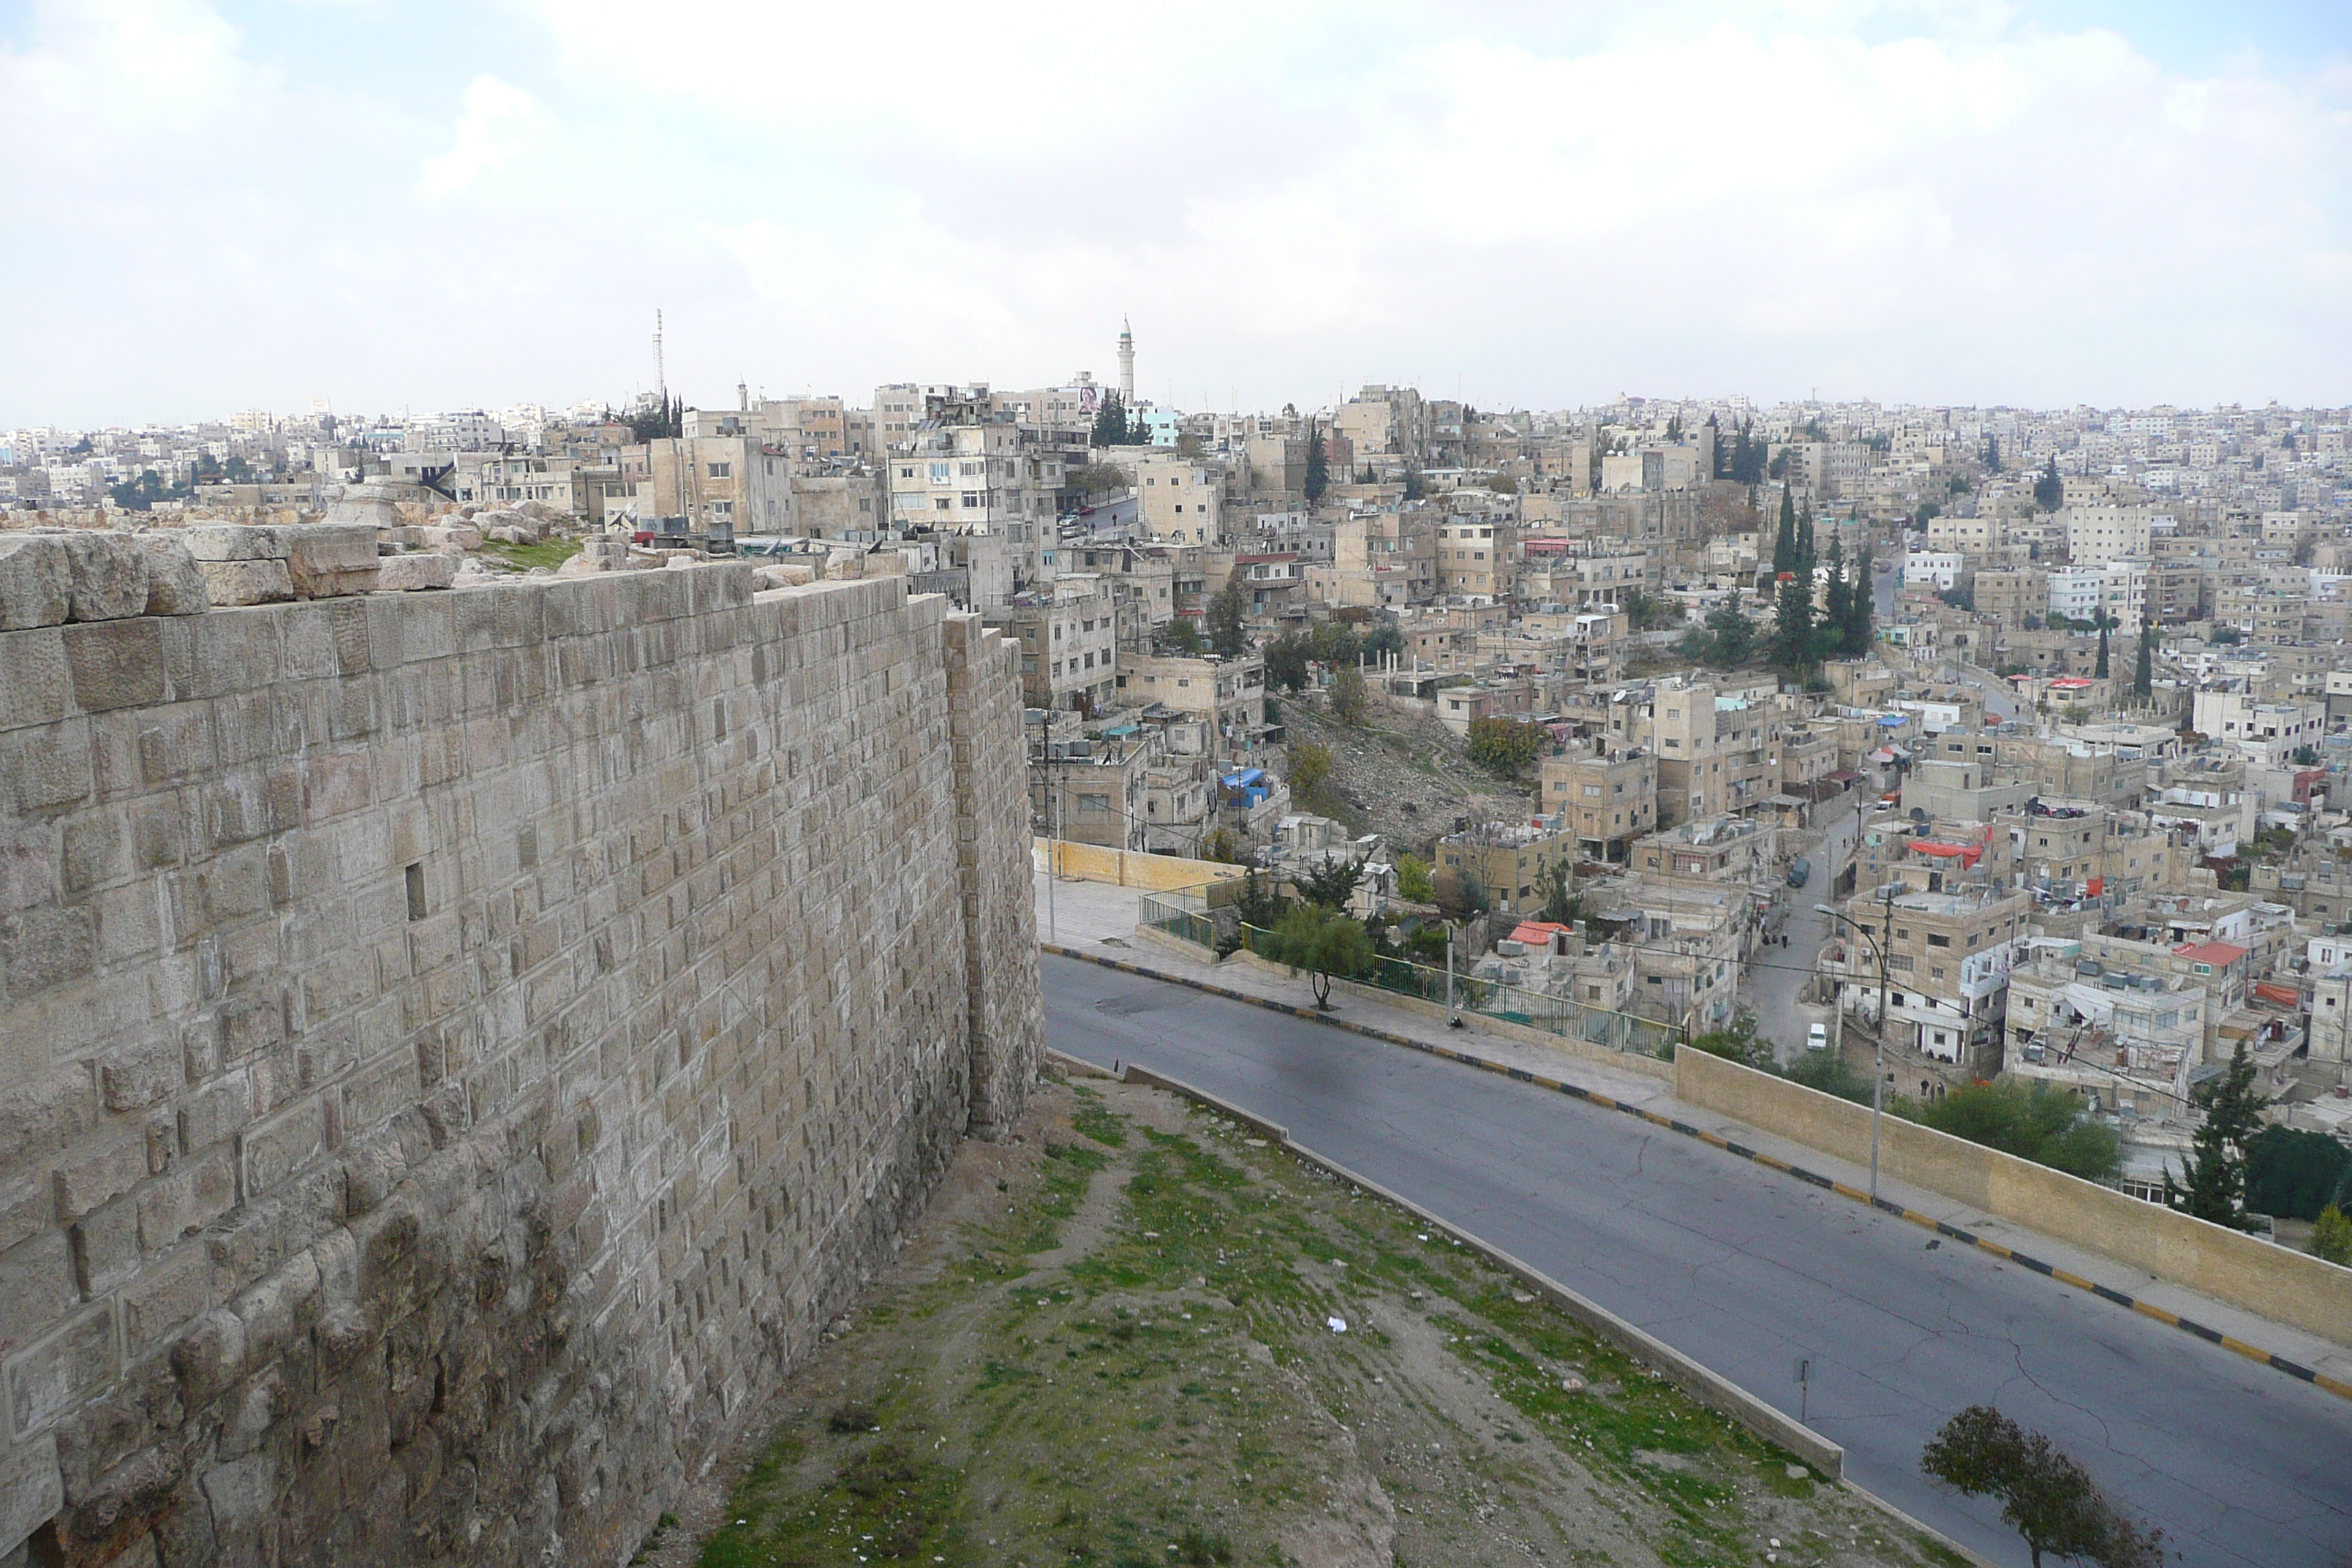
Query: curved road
x=1747 y=1270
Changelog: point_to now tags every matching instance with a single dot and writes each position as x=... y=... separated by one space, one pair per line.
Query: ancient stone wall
x=457 y=1048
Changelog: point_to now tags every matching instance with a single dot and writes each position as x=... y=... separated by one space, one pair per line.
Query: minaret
x=1126 y=363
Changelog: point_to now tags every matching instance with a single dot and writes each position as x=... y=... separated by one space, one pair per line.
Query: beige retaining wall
x=2286 y=1287
x=1131 y=868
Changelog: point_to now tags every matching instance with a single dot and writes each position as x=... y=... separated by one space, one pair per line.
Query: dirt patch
x=1406 y=776
x=1139 y=1336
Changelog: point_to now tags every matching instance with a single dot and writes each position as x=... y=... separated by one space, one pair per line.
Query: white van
x=1819 y=1039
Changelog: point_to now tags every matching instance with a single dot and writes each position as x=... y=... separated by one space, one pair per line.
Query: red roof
x=1538 y=933
x=1970 y=854
x=2216 y=953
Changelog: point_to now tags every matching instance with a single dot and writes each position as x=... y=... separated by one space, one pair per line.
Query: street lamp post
x=1878 y=1076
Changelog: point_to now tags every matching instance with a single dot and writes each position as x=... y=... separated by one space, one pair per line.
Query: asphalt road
x=1746 y=1270
x=1769 y=987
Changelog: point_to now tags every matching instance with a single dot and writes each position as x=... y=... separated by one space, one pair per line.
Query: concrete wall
x=457 y=1049
x=2286 y=1287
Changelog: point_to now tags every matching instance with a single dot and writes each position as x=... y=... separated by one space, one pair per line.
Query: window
x=721 y=470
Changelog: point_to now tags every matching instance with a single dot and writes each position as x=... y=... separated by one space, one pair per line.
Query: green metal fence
x=1201 y=915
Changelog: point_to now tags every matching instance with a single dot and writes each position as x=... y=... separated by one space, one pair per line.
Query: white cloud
x=501 y=124
x=1932 y=201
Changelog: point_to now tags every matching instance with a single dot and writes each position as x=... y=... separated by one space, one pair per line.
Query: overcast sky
x=214 y=205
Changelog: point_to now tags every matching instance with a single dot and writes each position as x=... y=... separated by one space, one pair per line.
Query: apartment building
x=1511 y=864
x=1069 y=641
x=1473 y=558
x=1716 y=753
x=1178 y=499
x=1948 y=956
x=964 y=470
x=1606 y=801
x=1228 y=694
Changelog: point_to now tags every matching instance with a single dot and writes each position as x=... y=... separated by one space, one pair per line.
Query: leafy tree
x=1506 y=745
x=1227 y=610
x=1674 y=427
x=1642 y=612
x=2050 y=491
x=1729 y=639
x=1310 y=763
x=1319 y=465
x=2144 y=673
x=1182 y=636
x=1221 y=846
x=1959 y=598
x=2217 y=1168
x=1331 y=884
x=662 y=420
x=1286 y=658
x=1258 y=904
x=1737 y=1041
x=2102 y=671
x=1324 y=944
x=2045 y=1126
x=1096 y=478
x=2294 y=1174
x=1992 y=454
x=1386 y=637
x=1415 y=486
x=2228 y=634
x=237 y=471
x=1110 y=422
x=1792 y=625
x=2045 y=1496
x=1334 y=641
x=1829 y=1073
x=2331 y=1237
x=1413 y=882
x=1349 y=695
x=1560 y=907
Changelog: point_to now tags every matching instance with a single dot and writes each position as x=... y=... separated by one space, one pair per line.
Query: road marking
x=2337 y=1386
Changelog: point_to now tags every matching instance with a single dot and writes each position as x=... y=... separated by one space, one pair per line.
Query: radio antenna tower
x=661 y=376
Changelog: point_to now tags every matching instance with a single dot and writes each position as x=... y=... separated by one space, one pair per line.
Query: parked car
x=1818 y=1037
x=1800 y=872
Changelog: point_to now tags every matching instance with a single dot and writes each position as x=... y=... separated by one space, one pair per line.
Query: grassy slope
x=1124 y=1357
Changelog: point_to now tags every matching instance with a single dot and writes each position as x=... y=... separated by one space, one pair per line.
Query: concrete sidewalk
x=1099 y=921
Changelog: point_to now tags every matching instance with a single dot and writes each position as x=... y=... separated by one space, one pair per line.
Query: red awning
x=1968 y=854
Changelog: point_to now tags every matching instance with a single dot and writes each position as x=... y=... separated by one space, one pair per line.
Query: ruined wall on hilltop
x=457 y=1048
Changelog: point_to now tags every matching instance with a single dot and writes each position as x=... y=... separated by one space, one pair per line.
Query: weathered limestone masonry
x=457 y=1048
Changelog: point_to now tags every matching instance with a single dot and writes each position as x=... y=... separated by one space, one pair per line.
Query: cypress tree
x=2102 y=671
x=2143 y=676
x=1784 y=546
x=1865 y=593
x=1837 y=601
x=1792 y=625
x=1318 y=468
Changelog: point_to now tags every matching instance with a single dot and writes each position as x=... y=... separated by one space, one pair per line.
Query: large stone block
x=328 y=559
x=36 y=581
x=117 y=664
x=252 y=582
x=407 y=573
x=32 y=1489
x=234 y=541
x=109 y=576
x=175 y=585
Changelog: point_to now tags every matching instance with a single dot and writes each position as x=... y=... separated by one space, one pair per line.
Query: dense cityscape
x=1589 y=802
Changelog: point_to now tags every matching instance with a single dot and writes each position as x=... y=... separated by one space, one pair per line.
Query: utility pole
x=1878 y=1076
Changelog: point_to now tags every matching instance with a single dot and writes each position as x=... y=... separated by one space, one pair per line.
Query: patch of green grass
x=550 y=553
x=1170 y=1396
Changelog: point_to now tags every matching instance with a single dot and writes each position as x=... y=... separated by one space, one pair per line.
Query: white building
x=2076 y=592
x=1941 y=569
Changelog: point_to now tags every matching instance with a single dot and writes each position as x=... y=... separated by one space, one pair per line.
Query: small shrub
x=850 y=1417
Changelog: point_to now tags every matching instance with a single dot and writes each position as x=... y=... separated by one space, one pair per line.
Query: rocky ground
x=1405 y=776
x=1138 y=1334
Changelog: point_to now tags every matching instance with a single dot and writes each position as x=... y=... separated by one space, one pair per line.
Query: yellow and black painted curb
x=2165 y=1315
